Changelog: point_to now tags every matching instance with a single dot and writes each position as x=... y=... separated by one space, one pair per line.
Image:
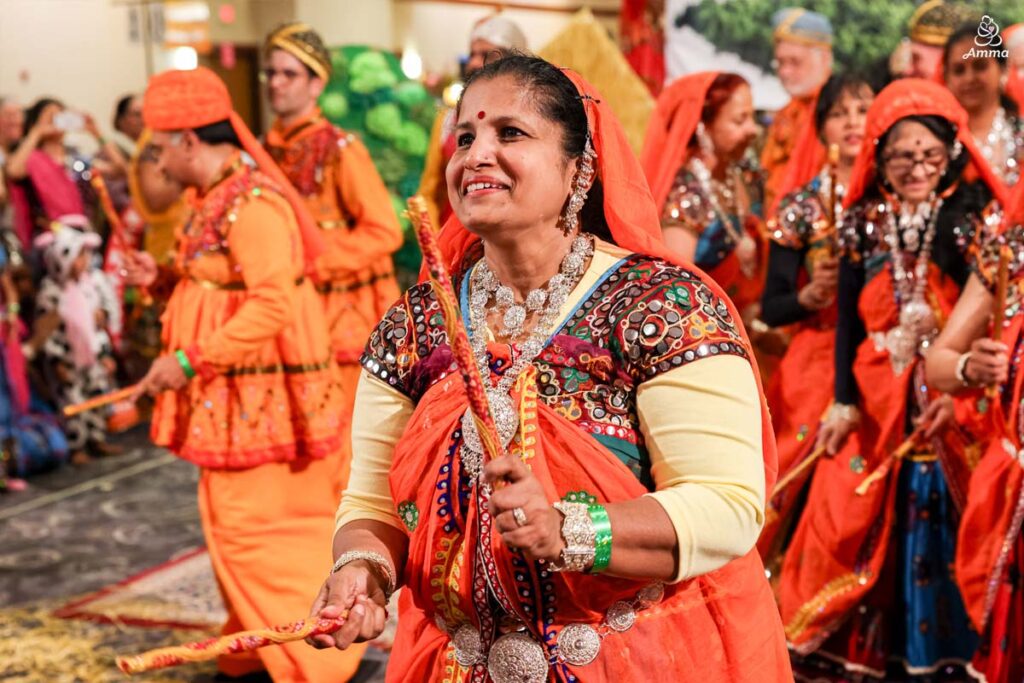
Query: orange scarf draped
x=805 y=161
x=672 y=125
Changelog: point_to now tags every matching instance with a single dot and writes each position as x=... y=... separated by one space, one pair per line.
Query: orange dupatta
x=723 y=625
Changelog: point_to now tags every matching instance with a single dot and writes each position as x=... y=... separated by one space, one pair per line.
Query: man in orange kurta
x=336 y=178
x=247 y=387
x=803 y=62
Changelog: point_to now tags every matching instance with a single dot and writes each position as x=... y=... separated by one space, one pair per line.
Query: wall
x=76 y=50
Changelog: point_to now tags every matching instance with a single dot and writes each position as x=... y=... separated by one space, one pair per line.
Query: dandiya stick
x=794 y=473
x=117 y=229
x=901 y=452
x=999 y=304
x=99 y=401
x=243 y=641
x=458 y=339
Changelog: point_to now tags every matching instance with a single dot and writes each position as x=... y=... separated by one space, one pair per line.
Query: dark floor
x=79 y=529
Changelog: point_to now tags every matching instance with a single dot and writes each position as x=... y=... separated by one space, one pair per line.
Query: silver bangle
x=961 y=369
x=377 y=560
x=844 y=411
x=579 y=536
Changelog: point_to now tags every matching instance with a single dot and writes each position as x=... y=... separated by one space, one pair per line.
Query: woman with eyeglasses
x=979 y=84
x=866 y=583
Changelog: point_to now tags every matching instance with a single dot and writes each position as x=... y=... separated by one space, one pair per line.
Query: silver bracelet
x=579 y=536
x=961 y=369
x=844 y=411
x=377 y=560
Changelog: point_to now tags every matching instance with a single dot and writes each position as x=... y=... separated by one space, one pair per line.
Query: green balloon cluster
x=370 y=96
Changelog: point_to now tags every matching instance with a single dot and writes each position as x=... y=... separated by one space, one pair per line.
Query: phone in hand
x=68 y=121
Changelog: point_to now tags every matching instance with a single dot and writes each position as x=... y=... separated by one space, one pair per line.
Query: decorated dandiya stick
x=243 y=641
x=117 y=228
x=458 y=339
x=999 y=304
x=99 y=401
x=902 y=451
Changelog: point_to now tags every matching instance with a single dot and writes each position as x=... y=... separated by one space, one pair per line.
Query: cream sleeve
x=702 y=426
x=378 y=422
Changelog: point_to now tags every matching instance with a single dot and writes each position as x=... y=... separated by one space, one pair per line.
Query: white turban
x=500 y=31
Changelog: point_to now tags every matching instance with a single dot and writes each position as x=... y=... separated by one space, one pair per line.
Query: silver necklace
x=999 y=147
x=917 y=320
x=746 y=247
x=484 y=286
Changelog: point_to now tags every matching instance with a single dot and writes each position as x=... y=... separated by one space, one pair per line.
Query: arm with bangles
x=707 y=508
x=963 y=356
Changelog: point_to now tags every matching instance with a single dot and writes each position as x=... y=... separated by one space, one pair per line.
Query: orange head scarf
x=914 y=97
x=632 y=217
x=672 y=125
x=184 y=100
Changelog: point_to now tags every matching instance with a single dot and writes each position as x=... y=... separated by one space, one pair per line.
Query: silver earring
x=581 y=184
x=707 y=147
x=958 y=149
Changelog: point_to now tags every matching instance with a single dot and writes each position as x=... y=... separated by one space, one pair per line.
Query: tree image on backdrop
x=371 y=97
x=866 y=32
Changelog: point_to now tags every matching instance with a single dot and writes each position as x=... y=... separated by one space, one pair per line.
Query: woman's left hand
x=937 y=416
x=90 y=126
x=540 y=536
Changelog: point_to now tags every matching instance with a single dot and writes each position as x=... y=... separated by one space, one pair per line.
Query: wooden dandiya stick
x=243 y=641
x=901 y=452
x=795 y=473
x=999 y=304
x=99 y=401
x=117 y=229
x=458 y=339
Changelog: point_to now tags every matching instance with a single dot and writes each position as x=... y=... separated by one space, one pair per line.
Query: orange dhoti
x=269 y=530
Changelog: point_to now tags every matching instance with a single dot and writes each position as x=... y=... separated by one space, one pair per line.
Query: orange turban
x=185 y=100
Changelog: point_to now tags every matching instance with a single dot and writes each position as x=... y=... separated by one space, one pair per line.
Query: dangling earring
x=707 y=147
x=958 y=149
x=570 y=219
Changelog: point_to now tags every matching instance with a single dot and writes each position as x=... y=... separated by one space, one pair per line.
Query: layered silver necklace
x=999 y=147
x=746 y=247
x=917 y=323
x=547 y=301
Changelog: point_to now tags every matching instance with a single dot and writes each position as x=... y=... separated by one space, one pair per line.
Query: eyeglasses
x=905 y=162
x=289 y=75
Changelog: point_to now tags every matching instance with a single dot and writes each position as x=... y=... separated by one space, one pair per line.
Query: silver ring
x=520 y=516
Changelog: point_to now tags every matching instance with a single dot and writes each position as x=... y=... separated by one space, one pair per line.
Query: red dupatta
x=722 y=625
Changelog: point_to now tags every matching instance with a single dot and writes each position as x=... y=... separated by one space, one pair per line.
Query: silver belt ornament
x=518 y=658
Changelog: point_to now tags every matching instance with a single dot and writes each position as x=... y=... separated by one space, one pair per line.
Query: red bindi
x=480 y=114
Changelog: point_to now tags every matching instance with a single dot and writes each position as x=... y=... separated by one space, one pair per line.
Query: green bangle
x=185 y=364
x=602 y=537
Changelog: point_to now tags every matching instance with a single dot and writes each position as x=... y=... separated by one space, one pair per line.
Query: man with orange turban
x=339 y=184
x=247 y=387
x=803 y=62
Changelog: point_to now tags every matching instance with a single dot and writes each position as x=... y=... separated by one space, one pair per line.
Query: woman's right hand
x=820 y=292
x=836 y=428
x=357 y=589
x=988 y=364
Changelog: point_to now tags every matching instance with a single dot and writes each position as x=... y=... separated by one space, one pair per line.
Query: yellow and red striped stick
x=243 y=641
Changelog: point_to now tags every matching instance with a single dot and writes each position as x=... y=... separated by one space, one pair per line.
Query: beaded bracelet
x=602 y=537
x=185 y=363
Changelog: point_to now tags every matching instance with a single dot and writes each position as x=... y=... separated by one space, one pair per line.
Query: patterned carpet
x=89 y=538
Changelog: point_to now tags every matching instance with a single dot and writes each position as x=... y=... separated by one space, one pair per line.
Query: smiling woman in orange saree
x=877 y=534
x=623 y=520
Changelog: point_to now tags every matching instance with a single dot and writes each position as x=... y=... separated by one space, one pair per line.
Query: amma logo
x=988 y=37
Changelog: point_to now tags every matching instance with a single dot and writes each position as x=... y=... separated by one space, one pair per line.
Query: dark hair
x=835 y=87
x=721 y=89
x=33 y=113
x=964 y=32
x=219 y=133
x=557 y=100
x=121 y=109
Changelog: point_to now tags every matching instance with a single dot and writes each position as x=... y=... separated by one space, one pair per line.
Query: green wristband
x=185 y=364
x=602 y=537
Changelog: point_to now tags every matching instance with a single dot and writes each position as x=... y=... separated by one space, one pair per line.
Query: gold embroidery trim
x=833 y=589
